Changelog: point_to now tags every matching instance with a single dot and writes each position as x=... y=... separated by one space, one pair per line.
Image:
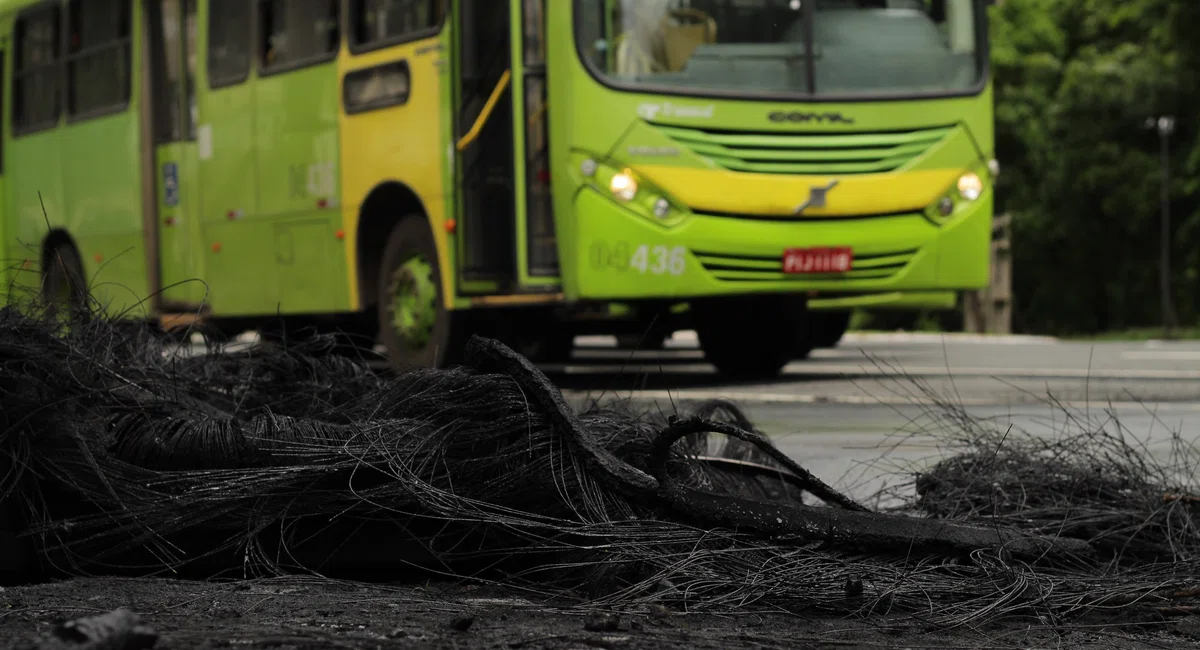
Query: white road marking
x=1048 y=373
x=688 y=339
x=693 y=363
x=947 y=337
x=1162 y=355
x=756 y=397
x=887 y=369
x=675 y=354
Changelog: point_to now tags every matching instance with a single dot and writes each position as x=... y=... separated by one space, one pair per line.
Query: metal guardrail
x=990 y=311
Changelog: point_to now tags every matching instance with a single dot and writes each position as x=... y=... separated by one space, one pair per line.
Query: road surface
x=853 y=414
x=872 y=369
x=865 y=410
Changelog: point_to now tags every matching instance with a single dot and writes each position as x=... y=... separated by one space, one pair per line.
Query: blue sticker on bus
x=170 y=173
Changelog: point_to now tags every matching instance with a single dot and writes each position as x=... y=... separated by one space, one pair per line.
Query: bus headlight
x=637 y=195
x=623 y=186
x=970 y=186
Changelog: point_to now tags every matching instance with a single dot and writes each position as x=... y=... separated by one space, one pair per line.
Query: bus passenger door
x=484 y=142
x=537 y=245
x=172 y=28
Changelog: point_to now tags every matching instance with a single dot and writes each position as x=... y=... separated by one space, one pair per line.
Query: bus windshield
x=757 y=47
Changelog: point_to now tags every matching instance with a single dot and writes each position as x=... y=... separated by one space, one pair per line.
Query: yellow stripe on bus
x=400 y=144
x=720 y=191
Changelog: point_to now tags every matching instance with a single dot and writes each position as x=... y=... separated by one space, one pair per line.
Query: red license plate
x=818 y=260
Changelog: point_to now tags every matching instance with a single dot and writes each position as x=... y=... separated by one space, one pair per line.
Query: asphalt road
x=879 y=406
x=887 y=369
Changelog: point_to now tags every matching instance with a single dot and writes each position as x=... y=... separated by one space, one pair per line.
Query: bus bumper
x=890 y=300
x=624 y=255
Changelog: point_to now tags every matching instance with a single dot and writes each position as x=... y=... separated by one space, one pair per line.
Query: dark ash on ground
x=310 y=613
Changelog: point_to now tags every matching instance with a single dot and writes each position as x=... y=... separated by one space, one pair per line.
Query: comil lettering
x=804 y=118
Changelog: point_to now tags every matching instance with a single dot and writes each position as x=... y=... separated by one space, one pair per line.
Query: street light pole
x=1166 y=125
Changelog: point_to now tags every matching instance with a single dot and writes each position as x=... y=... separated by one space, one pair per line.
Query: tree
x=1075 y=82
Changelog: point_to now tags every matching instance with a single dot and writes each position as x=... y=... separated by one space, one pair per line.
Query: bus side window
x=374 y=23
x=36 y=94
x=173 y=43
x=297 y=32
x=228 y=42
x=190 y=36
x=99 y=64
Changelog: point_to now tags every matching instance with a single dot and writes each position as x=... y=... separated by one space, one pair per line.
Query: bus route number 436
x=659 y=260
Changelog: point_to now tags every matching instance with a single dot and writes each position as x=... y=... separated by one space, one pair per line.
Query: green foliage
x=1075 y=83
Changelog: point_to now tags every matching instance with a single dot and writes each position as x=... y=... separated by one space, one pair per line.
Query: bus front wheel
x=650 y=341
x=551 y=346
x=752 y=337
x=414 y=324
x=828 y=327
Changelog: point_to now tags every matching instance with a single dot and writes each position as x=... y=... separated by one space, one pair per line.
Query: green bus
x=418 y=170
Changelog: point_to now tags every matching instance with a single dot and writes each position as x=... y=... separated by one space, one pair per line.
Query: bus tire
x=549 y=347
x=828 y=327
x=414 y=325
x=63 y=283
x=752 y=337
x=650 y=341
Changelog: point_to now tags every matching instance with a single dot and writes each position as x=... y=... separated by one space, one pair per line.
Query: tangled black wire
x=121 y=455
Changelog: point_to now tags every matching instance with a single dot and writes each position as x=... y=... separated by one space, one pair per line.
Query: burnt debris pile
x=121 y=455
x=1098 y=482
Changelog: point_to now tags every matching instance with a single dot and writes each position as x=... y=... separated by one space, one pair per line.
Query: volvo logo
x=801 y=117
x=816 y=197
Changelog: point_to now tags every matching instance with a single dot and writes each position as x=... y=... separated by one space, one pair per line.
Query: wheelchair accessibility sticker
x=170 y=172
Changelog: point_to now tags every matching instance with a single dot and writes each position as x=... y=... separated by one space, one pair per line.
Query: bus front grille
x=765 y=152
x=754 y=268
